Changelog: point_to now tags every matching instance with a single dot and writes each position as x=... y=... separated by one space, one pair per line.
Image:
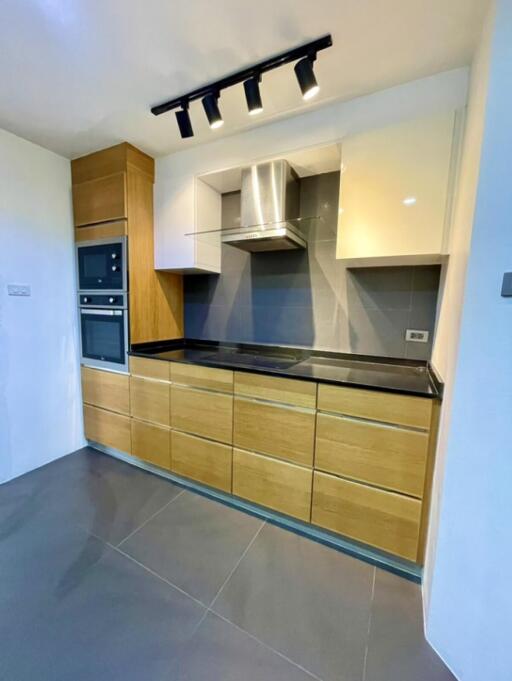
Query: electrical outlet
x=416 y=336
x=18 y=289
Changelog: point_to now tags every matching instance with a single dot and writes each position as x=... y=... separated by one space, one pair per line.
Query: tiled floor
x=108 y=572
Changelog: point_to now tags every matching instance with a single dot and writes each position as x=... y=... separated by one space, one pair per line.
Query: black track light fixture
x=183 y=119
x=251 y=76
x=252 y=95
x=212 y=110
x=306 y=77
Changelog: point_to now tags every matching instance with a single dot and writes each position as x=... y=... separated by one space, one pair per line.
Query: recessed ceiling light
x=409 y=201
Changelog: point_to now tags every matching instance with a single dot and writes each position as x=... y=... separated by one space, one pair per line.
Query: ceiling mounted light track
x=304 y=55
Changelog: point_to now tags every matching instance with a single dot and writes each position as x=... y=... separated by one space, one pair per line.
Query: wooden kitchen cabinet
x=404 y=410
x=386 y=520
x=150 y=368
x=275 y=429
x=107 y=428
x=202 y=460
x=195 y=376
x=151 y=443
x=113 y=196
x=276 y=389
x=100 y=200
x=395 y=193
x=150 y=400
x=106 y=389
x=386 y=456
x=279 y=485
x=201 y=412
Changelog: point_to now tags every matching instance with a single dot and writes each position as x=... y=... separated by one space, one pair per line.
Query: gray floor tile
x=90 y=613
x=222 y=652
x=309 y=602
x=194 y=543
x=397 y=648
x=105 y=496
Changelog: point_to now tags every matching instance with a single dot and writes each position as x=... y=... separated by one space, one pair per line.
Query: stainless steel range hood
x=270 y=201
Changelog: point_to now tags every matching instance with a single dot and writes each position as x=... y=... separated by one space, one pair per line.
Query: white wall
x=470 y=607
x=446 y=344
x=40 y=400
x=175 y=173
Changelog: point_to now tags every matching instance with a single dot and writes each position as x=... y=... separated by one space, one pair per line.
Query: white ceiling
x=80 y=75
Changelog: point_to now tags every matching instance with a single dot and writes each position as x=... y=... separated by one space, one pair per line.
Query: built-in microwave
x=102 y=265
x=104 y=330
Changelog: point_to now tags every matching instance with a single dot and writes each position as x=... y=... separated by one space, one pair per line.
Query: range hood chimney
x=270 y=200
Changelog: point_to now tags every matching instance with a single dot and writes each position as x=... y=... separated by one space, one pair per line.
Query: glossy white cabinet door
x=395 y=192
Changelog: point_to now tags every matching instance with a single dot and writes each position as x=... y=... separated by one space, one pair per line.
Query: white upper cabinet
x=395 y=193
x=185 y=207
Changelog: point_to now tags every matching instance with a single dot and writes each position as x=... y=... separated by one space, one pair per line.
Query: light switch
x=506 y=288
x=18 y=289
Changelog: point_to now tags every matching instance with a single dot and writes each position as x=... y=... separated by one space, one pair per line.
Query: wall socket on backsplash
x=416 y=336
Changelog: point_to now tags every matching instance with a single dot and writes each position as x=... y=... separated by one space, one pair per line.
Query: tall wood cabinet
x=113 y=196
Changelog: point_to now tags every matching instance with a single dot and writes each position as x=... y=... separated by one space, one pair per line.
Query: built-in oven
x=104 y=330
x=102 y=265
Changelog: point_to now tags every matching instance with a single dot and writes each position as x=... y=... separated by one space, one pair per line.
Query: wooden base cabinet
x=279 y=485
x=203 y=413
x=107 y=428
x=358 y=463
x=150 y=400
x=151 y=443
x=386 y=520
x=106 y=389
x=275 y=429
x=382 y=455
x=202 y=460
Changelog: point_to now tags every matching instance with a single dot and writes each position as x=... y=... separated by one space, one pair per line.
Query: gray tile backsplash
x=309 y=298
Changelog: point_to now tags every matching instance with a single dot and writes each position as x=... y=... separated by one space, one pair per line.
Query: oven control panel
x=114 y=299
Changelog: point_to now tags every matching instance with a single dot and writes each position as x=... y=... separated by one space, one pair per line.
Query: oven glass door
x=100 y=267
x=104 y=336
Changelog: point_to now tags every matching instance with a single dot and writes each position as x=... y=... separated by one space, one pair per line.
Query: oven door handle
x=105 y=313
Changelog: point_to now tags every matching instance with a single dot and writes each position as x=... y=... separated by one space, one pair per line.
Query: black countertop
x=374 y=373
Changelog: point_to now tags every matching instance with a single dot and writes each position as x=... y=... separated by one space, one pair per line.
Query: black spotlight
x=184 y=123
x=211 y=109
x=252 y=95
x=306 y=77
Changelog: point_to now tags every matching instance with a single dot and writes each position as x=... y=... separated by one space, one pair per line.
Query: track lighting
x=184 y=123
x=306 y=77
x=304 y=55
x=212 y=111
x=252 y=95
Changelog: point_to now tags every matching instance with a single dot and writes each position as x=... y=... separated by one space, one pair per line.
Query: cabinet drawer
x=286 y=432
x=202 y=377
x=386 y=456
x=202 y=413
x=151 y=443
x=150 y=400
x=107 y=428
x=386 y=520
x=150 y=368
x=202 y=460
x=403 y=410
x=100 y=200
x=279 y=485
x=106 y=389
x=275 y=389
